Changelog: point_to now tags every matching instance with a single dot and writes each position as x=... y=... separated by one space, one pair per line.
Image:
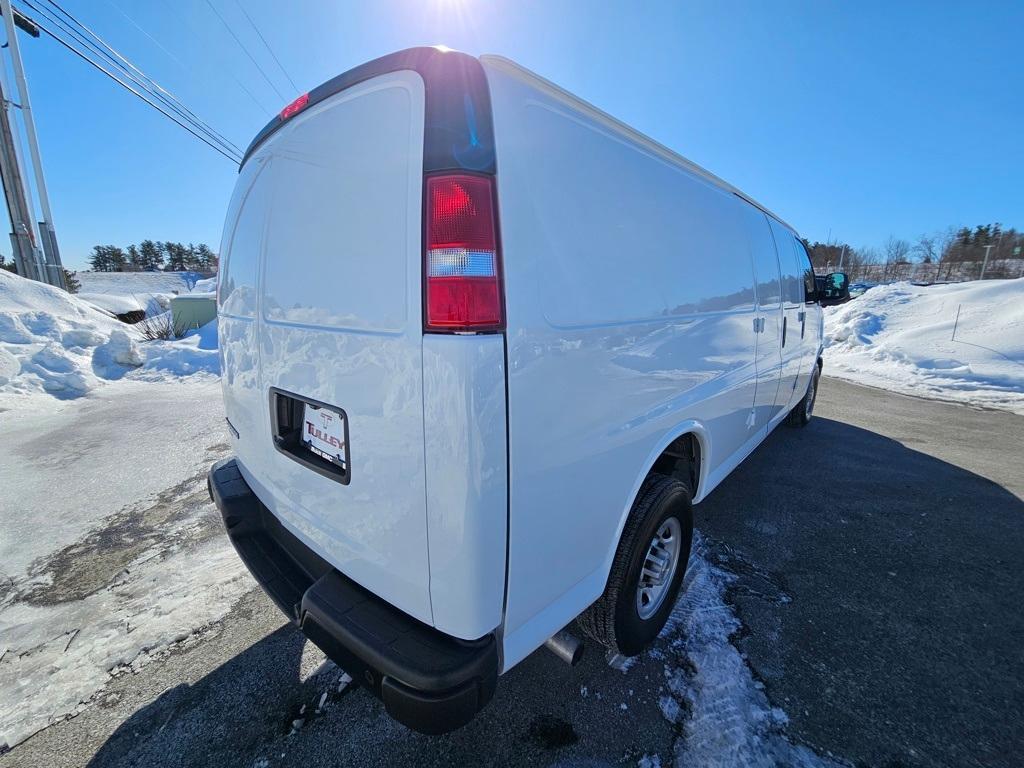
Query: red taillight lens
x=463 y=277
x=295 y=107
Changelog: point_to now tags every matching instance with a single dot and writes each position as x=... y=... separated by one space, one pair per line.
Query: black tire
x=614 y=620
x=801 y=414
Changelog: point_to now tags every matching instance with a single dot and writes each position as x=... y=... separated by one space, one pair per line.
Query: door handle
x=784 y=319
x=802 y=317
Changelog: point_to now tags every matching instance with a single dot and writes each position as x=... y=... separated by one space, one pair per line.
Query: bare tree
x=896 y=261
x=865 y=265
x=926 y=249
x=944 y=242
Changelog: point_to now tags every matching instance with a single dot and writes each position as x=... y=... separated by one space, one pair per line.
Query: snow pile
x=114 y=304
x=725 y=716
x=900 y=337
x=56 y=343
x=128 y=283
x=194 y=353
x=121 y=292
x=51 y=341
x=206 y=285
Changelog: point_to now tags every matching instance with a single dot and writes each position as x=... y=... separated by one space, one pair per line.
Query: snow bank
x=108 y=302
x=206 y=285
x=128 y=283
x=194 y=353
x=55 y=343
x=900 y=337
x=151 y=291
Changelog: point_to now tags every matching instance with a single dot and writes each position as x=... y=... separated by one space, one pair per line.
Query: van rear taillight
x=461 y=270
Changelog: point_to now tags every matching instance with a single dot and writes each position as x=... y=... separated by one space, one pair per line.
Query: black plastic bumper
x=429 y=681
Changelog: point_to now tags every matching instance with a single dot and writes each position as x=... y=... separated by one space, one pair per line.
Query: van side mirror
x=833 y=289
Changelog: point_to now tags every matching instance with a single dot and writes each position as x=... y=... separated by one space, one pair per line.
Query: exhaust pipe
x=565 y=646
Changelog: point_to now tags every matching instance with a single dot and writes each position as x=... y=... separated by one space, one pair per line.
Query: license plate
x=323 y=432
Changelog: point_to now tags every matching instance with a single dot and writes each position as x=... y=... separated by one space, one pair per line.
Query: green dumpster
x=192 y=310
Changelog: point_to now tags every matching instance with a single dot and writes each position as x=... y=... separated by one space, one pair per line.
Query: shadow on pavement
x=880 y=590
x=241 y=713
x=902 y=641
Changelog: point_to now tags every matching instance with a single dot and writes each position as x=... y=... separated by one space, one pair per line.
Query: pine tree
x=71 y=281
x=118 y=260
x=135 y=260
x=151 y=254
x=204 y=257
x=99 y=259
x=177 y=256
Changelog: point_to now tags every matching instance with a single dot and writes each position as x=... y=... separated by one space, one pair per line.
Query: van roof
x=459 y=130
x=641 y=138
x=458 y=135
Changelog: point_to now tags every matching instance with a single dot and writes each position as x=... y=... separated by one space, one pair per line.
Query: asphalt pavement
x=879 y=556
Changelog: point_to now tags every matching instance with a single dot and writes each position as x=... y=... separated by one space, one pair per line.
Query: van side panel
x=630 y=303
x=467 y=481
x=340 y=322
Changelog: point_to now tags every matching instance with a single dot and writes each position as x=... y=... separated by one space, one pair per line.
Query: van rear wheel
x=647 y=571
x=801 y=414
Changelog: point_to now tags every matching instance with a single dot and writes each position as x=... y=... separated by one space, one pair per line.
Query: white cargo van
x=483 y=346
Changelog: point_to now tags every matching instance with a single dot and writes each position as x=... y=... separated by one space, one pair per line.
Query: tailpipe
x=565 y=646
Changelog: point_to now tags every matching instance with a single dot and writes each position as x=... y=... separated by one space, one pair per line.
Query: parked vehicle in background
x=858 y=289
x=833 y=288
x=483 y=347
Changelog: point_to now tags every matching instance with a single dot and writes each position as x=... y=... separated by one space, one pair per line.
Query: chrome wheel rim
x=811 y=394
x=659 y=568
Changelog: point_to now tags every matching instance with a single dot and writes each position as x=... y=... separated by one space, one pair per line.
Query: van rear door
x=340 y=326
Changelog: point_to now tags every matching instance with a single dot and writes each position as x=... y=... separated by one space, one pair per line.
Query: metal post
x=26 y=254
x=842 y=253
x=984 y=264
x=54 y=269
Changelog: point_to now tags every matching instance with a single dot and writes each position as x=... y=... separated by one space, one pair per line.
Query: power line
x=245 y=50
x=265 y=43
x=135 y=24
x=133 y=73
x=128 y=68
x=191 y=28
x=156 y=105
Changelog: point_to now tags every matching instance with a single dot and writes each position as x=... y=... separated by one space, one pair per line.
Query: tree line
x=151 y=255
x=954 y=253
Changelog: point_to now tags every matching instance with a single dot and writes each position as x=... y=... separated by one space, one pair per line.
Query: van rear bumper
x=429 y=681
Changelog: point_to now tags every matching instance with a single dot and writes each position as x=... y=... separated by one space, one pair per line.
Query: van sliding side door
x=792 y=316
x=767 y=318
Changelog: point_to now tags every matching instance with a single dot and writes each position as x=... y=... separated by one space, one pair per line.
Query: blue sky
x=850 y=120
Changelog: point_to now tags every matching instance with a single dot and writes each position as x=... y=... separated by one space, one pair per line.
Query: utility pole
x=53 y=271
x=984 y=264
x=27 y=258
